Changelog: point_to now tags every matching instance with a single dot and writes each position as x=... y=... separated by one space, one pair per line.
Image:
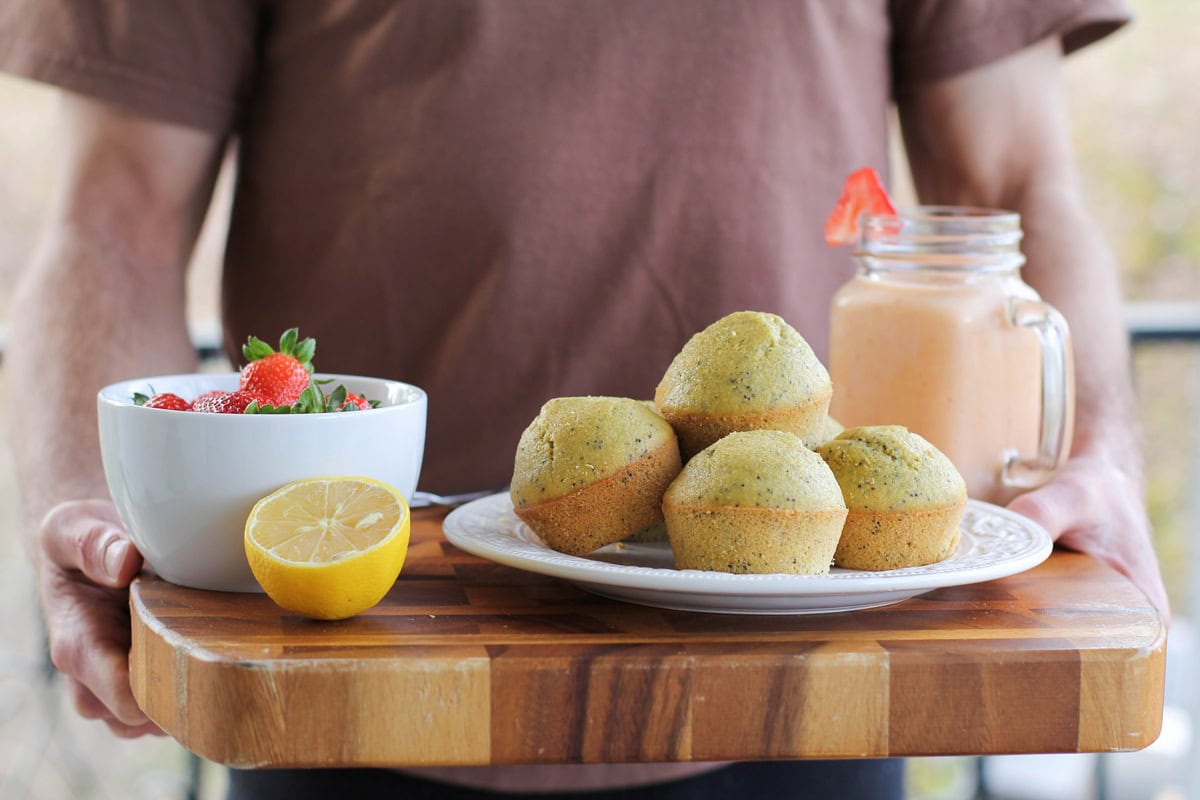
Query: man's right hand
x=86 y=563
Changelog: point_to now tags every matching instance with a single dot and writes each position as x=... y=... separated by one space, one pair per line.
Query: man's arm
x=103 y=300
x=998 y=136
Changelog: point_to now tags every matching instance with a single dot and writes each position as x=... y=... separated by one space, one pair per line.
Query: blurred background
x=1136 y=119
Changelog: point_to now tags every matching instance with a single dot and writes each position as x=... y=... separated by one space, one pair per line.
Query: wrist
x=1117 y=445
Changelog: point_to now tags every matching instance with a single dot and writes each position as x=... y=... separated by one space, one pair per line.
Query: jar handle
x=1058 y=395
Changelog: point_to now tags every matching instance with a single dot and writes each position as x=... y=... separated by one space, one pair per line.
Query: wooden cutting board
x=470 y=662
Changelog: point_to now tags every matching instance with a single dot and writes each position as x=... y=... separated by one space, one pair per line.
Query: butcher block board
x=467 y=662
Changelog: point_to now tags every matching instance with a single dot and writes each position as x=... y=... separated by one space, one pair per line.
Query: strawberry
x=225 y=402
x=208 y=396
x=167 y=400
x=862 y=194
x=353 y=399
x=278 y=377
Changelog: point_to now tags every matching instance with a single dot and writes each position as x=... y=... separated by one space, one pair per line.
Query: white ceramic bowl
x=184 y=482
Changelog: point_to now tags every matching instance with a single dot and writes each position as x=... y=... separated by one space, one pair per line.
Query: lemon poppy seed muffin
x=747 y=371
x=590 y=471
x=658 y=531
x=755 y=502
x=905 y=498
x=829 y=430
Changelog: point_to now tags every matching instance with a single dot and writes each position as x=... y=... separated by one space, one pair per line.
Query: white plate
x=995 y=543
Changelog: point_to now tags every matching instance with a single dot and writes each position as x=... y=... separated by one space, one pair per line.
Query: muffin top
x=888 y=468
x=757 y=469
x=576 y=441
x=743 y=362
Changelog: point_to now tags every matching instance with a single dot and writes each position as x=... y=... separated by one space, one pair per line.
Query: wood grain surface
x=469 y=662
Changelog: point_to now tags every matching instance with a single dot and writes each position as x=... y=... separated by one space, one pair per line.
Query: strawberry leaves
x=312 y=400
x=290 y=344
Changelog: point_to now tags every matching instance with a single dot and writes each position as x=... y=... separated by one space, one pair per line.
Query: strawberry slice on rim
x=863 y=193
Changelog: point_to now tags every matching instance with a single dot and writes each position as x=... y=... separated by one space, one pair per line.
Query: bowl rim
x=120 y=395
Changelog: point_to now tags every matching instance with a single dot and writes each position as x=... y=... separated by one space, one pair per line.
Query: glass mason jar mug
x=937 y=332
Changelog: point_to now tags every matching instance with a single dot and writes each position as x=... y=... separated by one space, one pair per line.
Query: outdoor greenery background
x=1135 y=112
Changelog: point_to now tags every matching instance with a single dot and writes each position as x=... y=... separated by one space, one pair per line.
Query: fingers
x=127 y=732
x=87 y=535
x=1093 y=507
x=89 y=631
x=90 y=707
x=1050 y=506
x=87 y=562
x=1085 y=493
x=89 y=636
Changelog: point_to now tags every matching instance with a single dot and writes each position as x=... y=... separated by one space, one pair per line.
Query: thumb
x=1055 y=506
x=87 y=535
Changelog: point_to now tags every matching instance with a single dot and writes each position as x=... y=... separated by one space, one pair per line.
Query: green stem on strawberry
x=336 y=399
x=290 y=344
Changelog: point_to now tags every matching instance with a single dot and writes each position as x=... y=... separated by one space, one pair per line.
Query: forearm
x=998 y=137
x=85 y=314
x=1070 y=265
x=103 y=298
x=1095 y=502
x=1073 y=269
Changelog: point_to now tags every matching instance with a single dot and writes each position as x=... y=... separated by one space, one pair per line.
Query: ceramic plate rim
x=543 y=560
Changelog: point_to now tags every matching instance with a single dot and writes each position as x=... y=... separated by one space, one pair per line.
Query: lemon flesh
x=328 y=548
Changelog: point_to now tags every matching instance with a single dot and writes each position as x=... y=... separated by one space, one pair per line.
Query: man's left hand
x=1094 y=507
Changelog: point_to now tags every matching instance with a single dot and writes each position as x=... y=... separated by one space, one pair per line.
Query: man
x=506 y=202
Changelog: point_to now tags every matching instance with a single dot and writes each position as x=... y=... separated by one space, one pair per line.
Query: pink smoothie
x=938 y=355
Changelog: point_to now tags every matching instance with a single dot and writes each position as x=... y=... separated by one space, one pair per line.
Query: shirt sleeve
x=189 y=62
x=934 y=39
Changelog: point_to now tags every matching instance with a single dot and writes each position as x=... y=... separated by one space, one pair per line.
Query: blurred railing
x=1156 y=323
x=1151 y=322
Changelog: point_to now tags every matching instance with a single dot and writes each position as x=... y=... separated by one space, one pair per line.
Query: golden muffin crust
x=613 y=508
x=905 y=498
x=746 y=371
x=590 y=471
x=887 y=468
x=576 y=441
x=755 y=502
x=872 y=541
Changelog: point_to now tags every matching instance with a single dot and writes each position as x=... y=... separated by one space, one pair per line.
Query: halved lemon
x=328 y=548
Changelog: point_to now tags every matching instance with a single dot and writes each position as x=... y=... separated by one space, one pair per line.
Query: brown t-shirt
x=508 y=201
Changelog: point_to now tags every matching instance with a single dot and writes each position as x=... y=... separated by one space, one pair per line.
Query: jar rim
x=949 y=213
x=941 y=237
